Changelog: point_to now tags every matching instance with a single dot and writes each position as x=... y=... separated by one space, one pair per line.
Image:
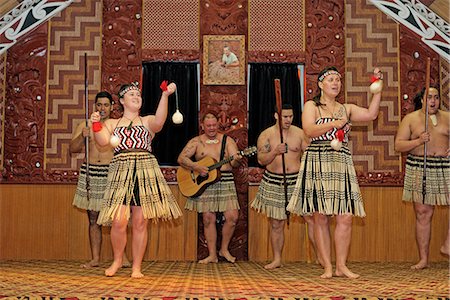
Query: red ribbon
x=374 y=78
x=163 y=85
x=340 y=135
x=96 y=126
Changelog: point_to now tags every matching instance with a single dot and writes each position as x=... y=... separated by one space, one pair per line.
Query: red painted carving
x=121 y=60
x=228 y=103
x=26 y=69
x=413 y=62
x=324 y=40
x=223 y=17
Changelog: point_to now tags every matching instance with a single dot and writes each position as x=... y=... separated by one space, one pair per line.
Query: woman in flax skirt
x=327 y=184
x=136 y=185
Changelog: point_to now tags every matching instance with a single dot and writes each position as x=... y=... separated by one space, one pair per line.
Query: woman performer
x=134 y=177
x=327 y=184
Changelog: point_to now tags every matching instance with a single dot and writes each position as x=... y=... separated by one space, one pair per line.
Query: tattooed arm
x=266 y=154
x=184 y=159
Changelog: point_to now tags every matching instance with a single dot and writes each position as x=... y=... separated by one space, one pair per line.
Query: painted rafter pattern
x=25 y=17
x=434 y=31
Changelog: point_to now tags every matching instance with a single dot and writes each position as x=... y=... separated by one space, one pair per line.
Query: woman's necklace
x=131 y=122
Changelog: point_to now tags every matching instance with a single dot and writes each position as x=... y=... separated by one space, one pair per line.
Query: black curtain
x=169 y=142
x=262 y=99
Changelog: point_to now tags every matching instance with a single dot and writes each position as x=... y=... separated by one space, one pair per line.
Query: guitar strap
x=222 y=150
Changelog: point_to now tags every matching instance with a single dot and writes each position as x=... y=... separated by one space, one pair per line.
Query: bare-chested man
x=411 y=137
x=217 y=197
x=270 y=198
x=99 y=159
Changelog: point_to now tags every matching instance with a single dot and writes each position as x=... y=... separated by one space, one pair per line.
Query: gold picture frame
x=223 y=59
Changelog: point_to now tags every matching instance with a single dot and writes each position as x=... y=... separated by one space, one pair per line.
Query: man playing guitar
x=220 y=196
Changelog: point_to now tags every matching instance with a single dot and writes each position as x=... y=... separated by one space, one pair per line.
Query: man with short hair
x=90 y=197
x=220 y=196
x=270 y=199
x=411 y=137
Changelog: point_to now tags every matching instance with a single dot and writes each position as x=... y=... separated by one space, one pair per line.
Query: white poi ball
x=376 y=86
x=114 y=141
x=177 y=117
x=336 y=144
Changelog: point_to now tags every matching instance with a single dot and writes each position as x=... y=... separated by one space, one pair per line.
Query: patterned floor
x=65 y=279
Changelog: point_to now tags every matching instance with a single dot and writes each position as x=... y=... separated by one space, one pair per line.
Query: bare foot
x=92 y=264
x=328 y=273
x=344 y=271
x=209 y=259
x=227 y=256
x=116 y=265
x=420 y=265
x=137 y=274
x=273 y=265
x=445 y=249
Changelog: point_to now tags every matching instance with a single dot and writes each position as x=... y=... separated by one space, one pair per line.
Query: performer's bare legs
x=209 y=226
x=118 y=240
x=277 y=241
x=445 y=248
x=231 y=218
x=310 y=223
x=342 y=239
x=323 y=242
x=424 y=214
x=139 y=242
x=95 y=239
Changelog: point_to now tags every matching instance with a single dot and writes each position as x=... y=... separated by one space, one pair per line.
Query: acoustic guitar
x=192 y=184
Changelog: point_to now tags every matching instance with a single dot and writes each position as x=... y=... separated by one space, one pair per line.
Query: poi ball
x=376 y=86
x=114 y=141
x=177 y=117
x=336 y=144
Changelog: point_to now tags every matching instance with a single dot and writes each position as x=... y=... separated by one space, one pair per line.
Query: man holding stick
x=270 y=198
x=412 y=136
x=89 y=193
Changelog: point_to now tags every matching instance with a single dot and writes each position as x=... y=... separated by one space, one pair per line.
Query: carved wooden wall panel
x=2 y=106
x=372 y=41
x=445 y=83
x=77 y=31
x=413 y=61
x=122 y=39
x=324 y=40
x=230 y=103
x=26 y=72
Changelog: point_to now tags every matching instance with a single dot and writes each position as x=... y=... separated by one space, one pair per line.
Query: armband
x=97 y=126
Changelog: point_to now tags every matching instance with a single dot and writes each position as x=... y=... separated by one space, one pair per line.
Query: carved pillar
x=230 y=103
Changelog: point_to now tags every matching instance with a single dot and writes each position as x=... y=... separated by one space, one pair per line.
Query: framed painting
x=224 y=59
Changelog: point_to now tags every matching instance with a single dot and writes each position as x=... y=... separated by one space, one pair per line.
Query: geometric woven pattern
x=170 y=24
x=76 y=32
x=2 y=105
x=276 y=25
x=372 y=41
x=445 y=84
x=222 y=280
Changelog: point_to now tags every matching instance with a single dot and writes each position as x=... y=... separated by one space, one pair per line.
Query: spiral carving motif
x=25 y=104
x=324 y=40
x=121 y=61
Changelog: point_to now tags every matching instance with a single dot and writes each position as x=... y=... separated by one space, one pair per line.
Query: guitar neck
x=220 y=163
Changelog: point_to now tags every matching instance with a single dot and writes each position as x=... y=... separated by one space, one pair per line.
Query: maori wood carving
x=413 y=54
x=121 y=61
x=324 y=40
x=26 y=69
x=230 y=103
